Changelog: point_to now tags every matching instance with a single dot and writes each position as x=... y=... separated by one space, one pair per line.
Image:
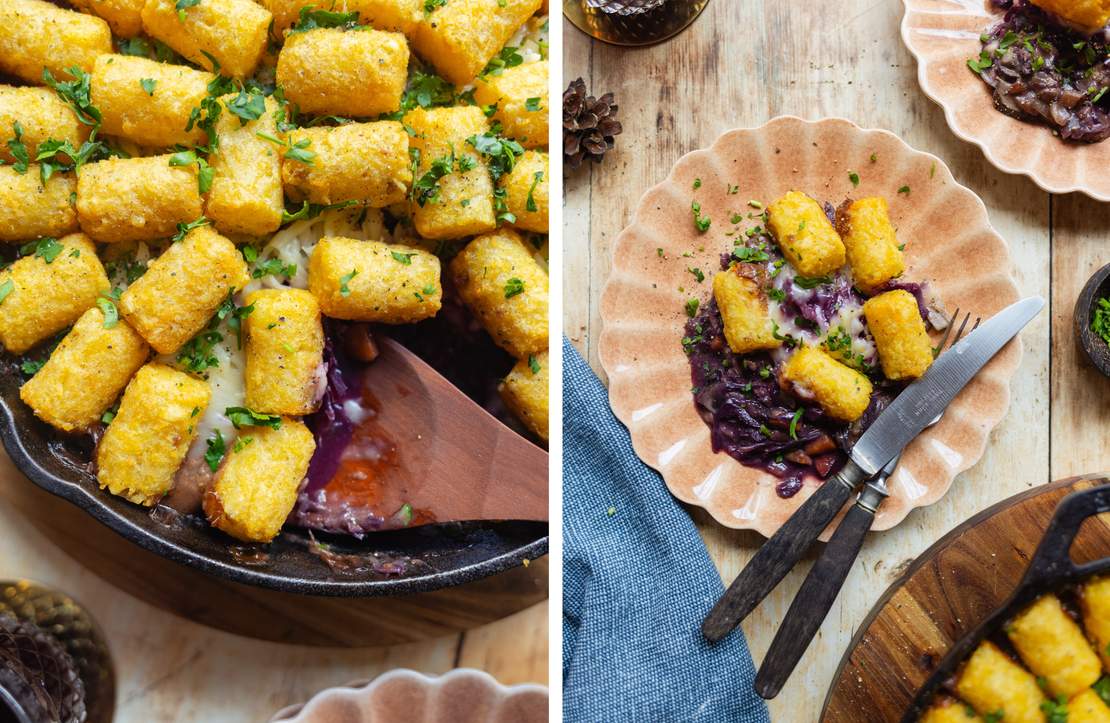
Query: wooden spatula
x=430 y=451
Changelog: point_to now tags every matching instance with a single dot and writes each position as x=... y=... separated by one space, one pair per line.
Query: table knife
x=899 y=423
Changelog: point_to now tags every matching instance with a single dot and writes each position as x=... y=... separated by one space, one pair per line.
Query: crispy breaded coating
x=521 y=97
x=1053 y=646
x=354 y=73
x=246 y=195
x=234 y=32
x=47 y=297
x=374 y=281
x=149 y=436
x=157 y=118
x=256 y=487
x=462 y=202
x=35 y=34
x=364 y=162
x=124 y=17
x=526 y=192
x=905 y=350
x=991 y=682
x=743 y=306
x=182 y=289
x=1094 y=599
x=30 y=210
x=870 y=243
x=399 y=15
x=524 y=392
x=86 y=373
x=841 y=391
x=805 y=236
x=284 y=339
x=503 y=284
x=1090 y=15
x=460 y=37
x=41 y=116
x=136 y=199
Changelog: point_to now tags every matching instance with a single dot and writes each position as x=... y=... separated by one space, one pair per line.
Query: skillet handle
x=1052 y=558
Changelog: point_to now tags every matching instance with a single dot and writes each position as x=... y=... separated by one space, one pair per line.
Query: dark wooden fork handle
x=779 y=555
x=812 y=603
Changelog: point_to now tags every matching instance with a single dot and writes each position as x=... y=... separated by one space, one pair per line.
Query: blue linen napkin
x=637 y=582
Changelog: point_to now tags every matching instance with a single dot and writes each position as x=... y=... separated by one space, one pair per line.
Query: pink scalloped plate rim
x=463 y=695
x=942 y=35
x=949 y=243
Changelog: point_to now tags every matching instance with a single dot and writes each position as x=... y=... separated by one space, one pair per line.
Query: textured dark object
x=74 y=629
x=633 y=22
x=778 y=555
x=451 y=554
x=589 y=125
x=812 y=602
x=40 y=678
x=1097 y=350
x=1050 y=569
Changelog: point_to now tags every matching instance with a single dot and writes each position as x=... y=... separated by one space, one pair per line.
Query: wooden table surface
x=744 y=62
x=171 y=669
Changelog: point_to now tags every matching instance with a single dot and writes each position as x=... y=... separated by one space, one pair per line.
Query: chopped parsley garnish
x=274 y=267
x=701 y=223
x=532 y=104
x=344 y=280
x=697 y=273
x=805 y=282
x=530 y=204
x=31 y=367
x=182 y=6
x=76 y=93
x=106 y=302
x=501 y=153
x=148 y=85
x=533 y=364
x=405 y=259
x=241 y=443
x=294 y=151
x=248 y=105
x=242 y=417
x=215 y=452
x=750 y=255
x=183 y=229
x=776 y=294
x=854 y=178
x=425 y=189
x=794 y=423
x=509 y=57
x=205 y=174
x=513 y=287
x=1102 y=687
x=697 y=183
x=50 y=153
x=18 y=149
x=310 y=19
x=46 y=249
x=1100 y=319
x=984 y=61
x=1056 y=711
x=231 y=313
x=905 y=190
x=6 y=288
x=431 y=5
x=312 y=210
x=692 y=307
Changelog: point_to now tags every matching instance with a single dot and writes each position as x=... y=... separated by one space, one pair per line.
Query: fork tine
x=960 y=331
x=947 y=330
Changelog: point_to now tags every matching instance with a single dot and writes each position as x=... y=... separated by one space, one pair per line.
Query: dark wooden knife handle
x=812 y=603
x=777 y=557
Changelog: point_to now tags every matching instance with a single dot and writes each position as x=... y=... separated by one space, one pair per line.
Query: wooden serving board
x=267 y=614
x=945 y=593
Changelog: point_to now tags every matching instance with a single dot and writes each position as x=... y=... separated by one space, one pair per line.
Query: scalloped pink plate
x=949 y=244
x=463 y=695
x=942 y=35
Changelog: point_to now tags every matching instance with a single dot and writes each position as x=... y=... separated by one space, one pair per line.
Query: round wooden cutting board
x=944 y=594
x=267 y=614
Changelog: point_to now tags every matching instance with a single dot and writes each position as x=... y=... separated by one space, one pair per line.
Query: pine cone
x=589 y=125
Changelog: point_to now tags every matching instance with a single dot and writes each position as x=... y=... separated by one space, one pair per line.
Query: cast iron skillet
x=449 y=554
x=1050 y=569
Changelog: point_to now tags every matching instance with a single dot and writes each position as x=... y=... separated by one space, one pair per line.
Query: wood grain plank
x=739 y=65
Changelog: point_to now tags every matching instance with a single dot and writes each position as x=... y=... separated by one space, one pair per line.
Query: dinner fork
x=822 y=585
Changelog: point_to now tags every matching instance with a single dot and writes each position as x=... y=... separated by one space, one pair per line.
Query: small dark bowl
x=1097 y=350
x=449 y=554
x=1050 y=570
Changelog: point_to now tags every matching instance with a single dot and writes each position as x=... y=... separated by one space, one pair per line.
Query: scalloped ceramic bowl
x=942 y=35
x=405 y=696
x=949 y=243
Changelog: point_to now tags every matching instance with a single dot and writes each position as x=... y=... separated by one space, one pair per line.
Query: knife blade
x=913 y=409
x=899 y=423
